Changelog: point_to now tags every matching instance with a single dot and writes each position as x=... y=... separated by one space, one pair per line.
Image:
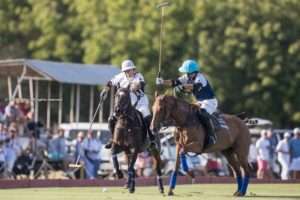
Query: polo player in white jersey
x=130 y=78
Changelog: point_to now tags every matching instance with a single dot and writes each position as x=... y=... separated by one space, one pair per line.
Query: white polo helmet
x=127 y=65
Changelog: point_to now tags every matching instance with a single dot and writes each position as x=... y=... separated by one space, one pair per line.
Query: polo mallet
x=161 y=6
x=102 y=98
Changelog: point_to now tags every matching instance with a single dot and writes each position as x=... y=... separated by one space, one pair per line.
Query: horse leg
x=158 y=162
x=175 y=171
x=131 y=172
x=185 y=166
x=235 y=165
x=126 y=186
x=243 y=158
x=115 y=161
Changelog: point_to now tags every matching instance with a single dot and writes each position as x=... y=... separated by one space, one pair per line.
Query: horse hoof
x=170 y=193
x=131 y=190
x=120 y=175
x=238 y=194
x=161 y=191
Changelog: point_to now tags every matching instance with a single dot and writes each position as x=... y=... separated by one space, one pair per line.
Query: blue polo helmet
x=189 y=66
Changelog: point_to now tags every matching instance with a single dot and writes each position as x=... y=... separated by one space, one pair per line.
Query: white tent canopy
x=73 y=74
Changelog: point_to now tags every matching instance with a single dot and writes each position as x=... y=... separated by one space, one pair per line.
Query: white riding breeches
x=142 y=105
x=210 y=105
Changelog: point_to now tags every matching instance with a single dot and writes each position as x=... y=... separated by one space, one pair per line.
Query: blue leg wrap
x=245 y=184
x=239 y=181
x=173 y=179
x=184 y=162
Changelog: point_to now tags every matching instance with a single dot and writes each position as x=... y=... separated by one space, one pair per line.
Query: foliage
x=249 y=49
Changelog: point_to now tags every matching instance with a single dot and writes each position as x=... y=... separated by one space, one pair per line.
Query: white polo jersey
x=263 y=149
x=122 y=81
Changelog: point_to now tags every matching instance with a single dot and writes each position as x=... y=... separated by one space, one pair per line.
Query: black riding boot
x=152 y=146
x=205 y=119
x=147 y=121
x=111 y=126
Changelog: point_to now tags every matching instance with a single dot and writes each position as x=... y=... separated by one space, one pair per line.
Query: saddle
x=212 y=123
x=218 y=121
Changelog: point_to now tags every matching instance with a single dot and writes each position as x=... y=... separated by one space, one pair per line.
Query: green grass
x=182 y=192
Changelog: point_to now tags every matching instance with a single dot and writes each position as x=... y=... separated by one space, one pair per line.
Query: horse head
x=122 y=100
x=162 y=109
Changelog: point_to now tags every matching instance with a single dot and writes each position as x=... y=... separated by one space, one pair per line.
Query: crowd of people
x=27 y=148
x=268 y=151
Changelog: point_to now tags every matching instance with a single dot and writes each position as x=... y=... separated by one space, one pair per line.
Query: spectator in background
x=3 y=131
x=295 y=154
x=252 y=158
x=13 y=148
x=24 y=106
x=283 y=153
x=12 y=112
x=57 y=148
x=263 y=155
x=2 y=111
x=79 y=154
x=2 y=156
x=144 y=164
x=78 y=146
x=91 y=149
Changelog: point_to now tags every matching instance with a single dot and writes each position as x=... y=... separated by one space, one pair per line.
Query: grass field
x=182 y=192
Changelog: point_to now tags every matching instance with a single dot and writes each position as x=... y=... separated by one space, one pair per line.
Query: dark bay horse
x=233 y=142
x=130 y=136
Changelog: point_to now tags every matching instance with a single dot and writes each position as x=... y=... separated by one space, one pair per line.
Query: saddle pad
x=219 y=121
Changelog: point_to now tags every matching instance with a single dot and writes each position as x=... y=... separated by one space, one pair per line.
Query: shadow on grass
x=273 y=196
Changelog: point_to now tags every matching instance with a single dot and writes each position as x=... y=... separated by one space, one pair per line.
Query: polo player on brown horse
x=130 y=136
x=129 y=124
x=195 y=129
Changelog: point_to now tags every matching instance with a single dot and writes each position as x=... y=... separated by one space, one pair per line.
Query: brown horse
x=130 y=136
x=233 y=142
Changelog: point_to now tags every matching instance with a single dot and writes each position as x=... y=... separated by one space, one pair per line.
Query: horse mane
x=191 y=106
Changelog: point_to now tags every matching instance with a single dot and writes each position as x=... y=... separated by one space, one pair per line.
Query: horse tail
x=248 y=121
x=242 y=115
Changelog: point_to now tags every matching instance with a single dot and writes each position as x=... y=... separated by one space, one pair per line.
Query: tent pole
x=36 y=110
x=60 y=103
x=49 y=105
x=9 y=88
x=72 y=104
x=77 y=102
x=91 y=102
x=18 y=88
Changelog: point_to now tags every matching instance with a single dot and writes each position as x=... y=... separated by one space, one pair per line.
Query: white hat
x=287 y=134
x=296 y=130
x=127 y=65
